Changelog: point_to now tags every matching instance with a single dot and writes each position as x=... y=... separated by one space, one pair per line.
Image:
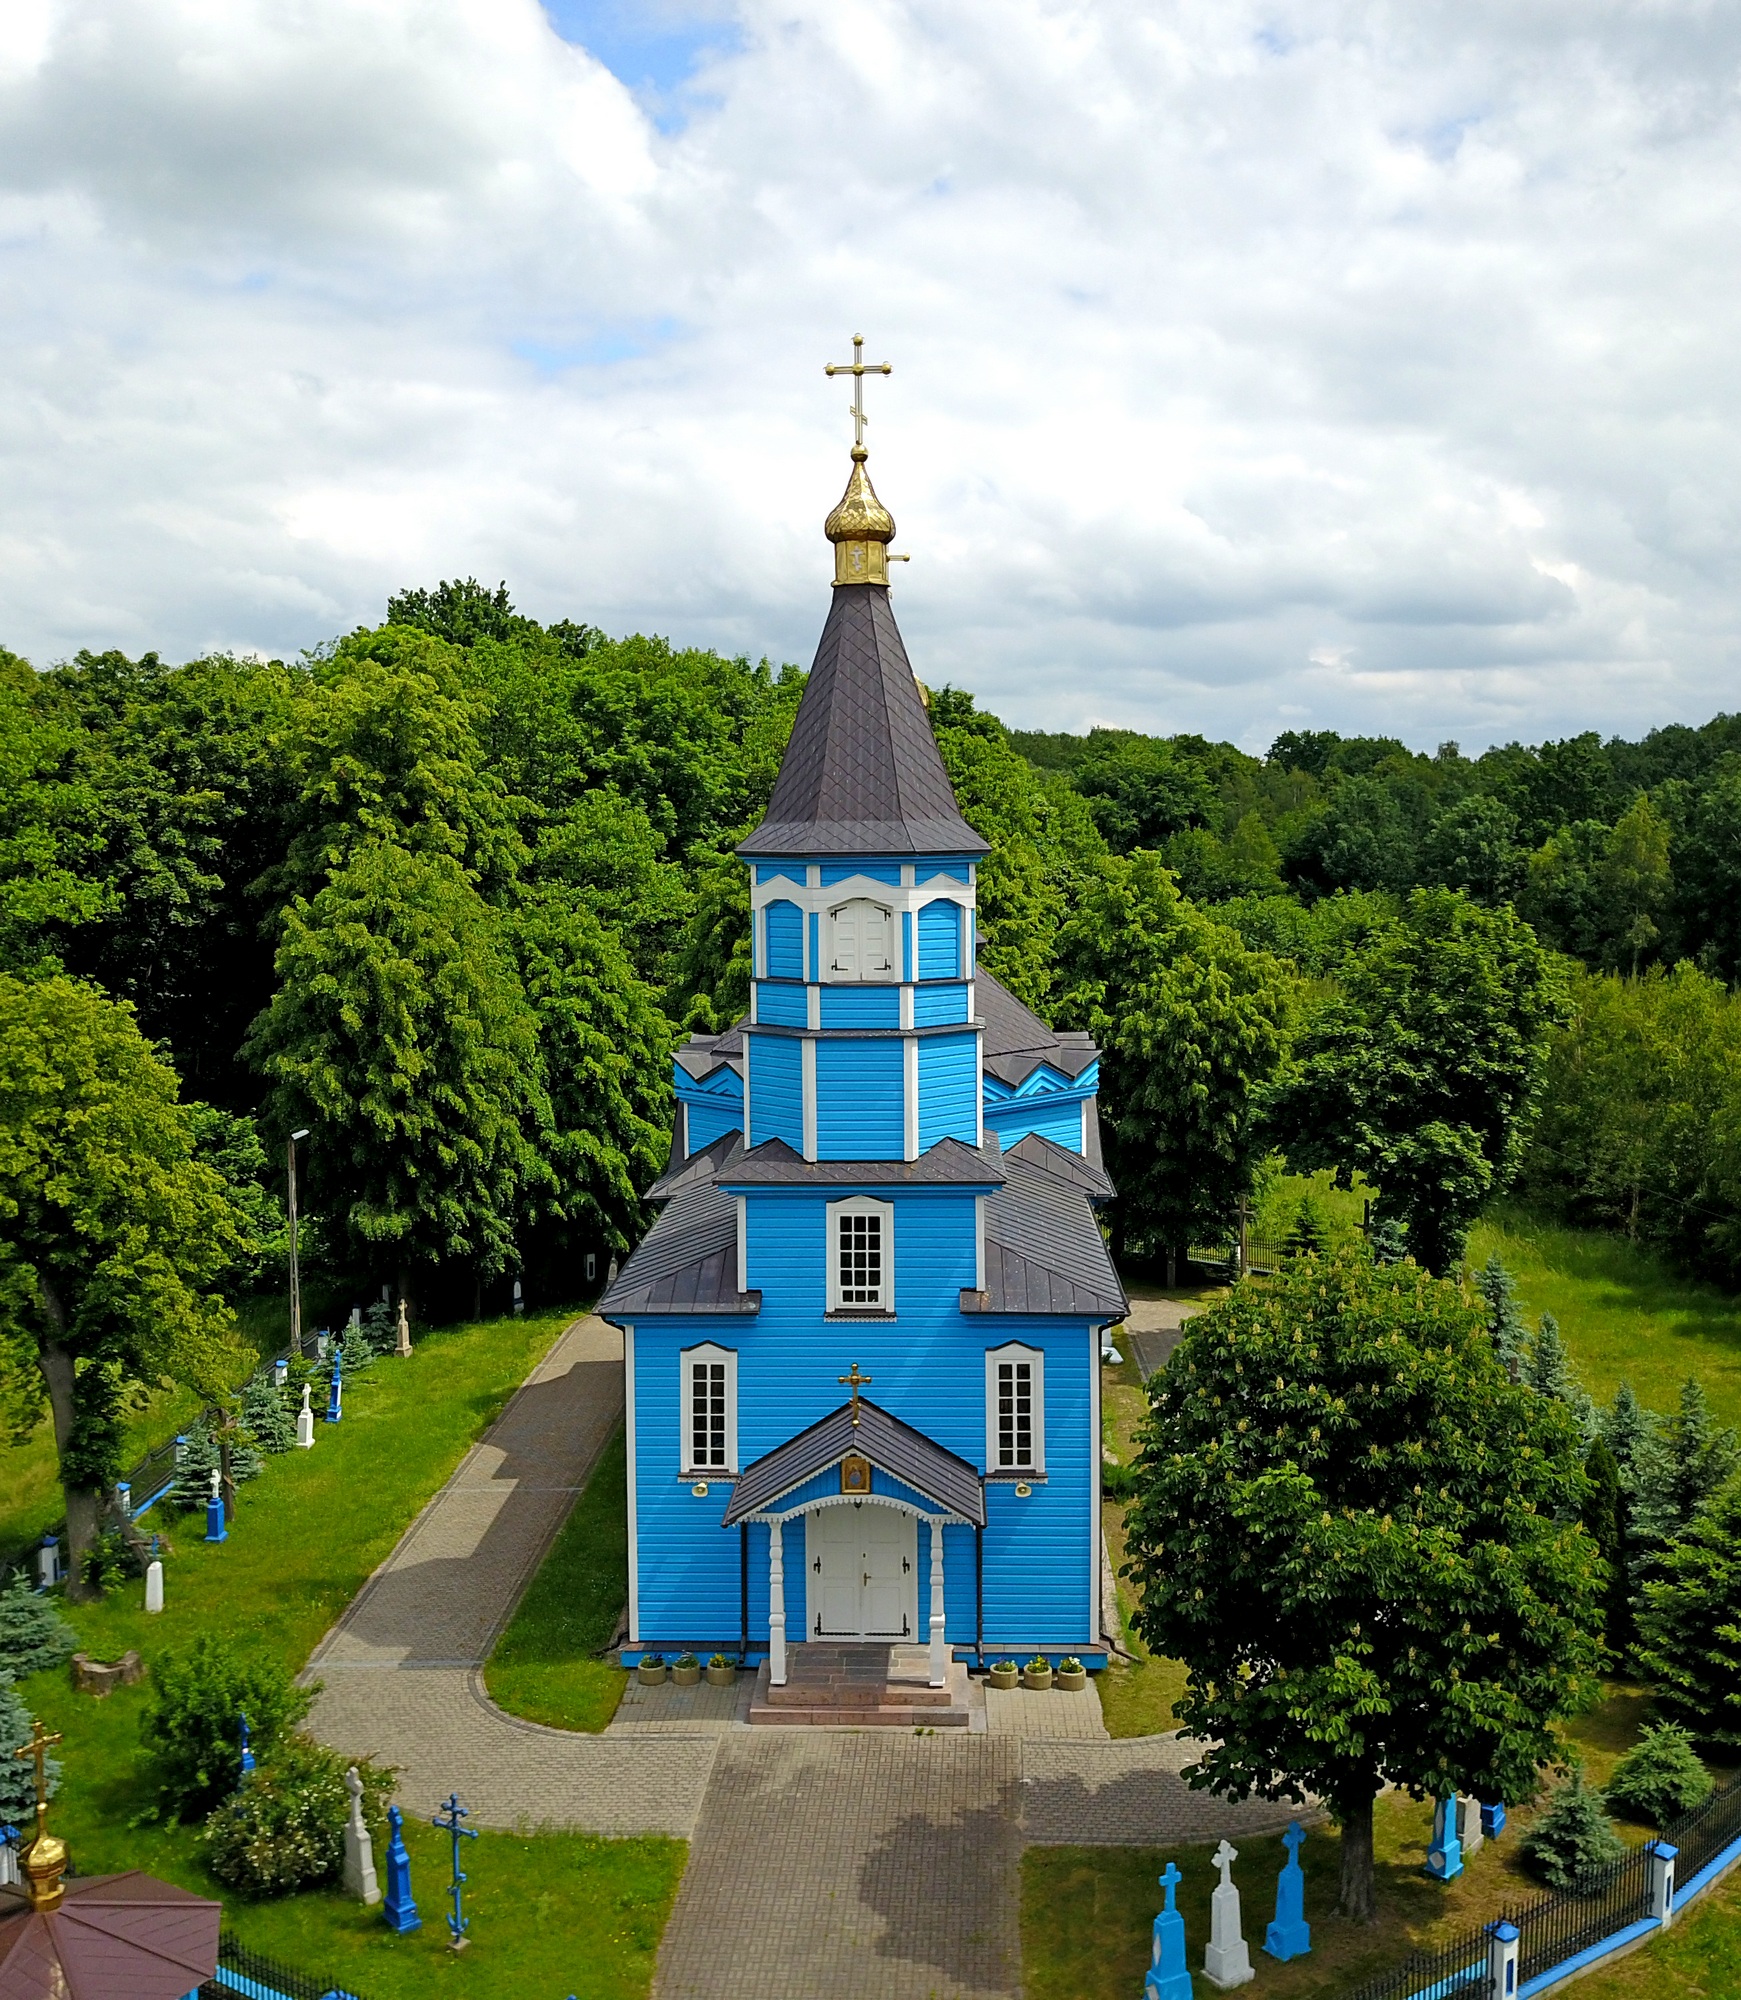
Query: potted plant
x=651 y=1672
x=721 y=1671
x=1072 y=1674
x=685 y=1671
x=1004 y=1673
x=1037 y=1674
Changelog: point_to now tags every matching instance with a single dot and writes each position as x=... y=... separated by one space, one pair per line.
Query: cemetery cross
x=455 y=1812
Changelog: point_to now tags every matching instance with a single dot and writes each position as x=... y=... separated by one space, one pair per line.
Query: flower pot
x=1039 y=1679
x=650 y=1676
x=1005 y=1677
x=685 y=1677
x=1073 y=1683
x=720 y=1677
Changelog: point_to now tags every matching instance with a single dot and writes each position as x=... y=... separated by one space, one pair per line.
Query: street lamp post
x=295 y=1274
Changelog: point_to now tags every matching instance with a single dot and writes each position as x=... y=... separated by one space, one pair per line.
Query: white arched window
x=710 y=1410
x=862 y=941
x=861 y=1255
x=1015 y=1409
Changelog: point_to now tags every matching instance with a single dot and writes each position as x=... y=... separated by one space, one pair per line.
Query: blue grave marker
x=335 y=1401
x=1445 y=1855
x=247 y=1748
x=216 y=1528
x=1168 y=1977
x=399 y=1910
x=1493 y=1820
x=455 y=1812
x=1290 y=1936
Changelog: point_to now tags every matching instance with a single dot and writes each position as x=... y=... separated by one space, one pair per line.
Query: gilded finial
x=45 y=1859
x=860 y=527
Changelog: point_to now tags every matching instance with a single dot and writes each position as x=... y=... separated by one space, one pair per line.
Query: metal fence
x=255 y=1977
x=1262 y=1254
x=1557 y=1927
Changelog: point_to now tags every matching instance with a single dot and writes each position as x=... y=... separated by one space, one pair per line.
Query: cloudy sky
x=1256 y=365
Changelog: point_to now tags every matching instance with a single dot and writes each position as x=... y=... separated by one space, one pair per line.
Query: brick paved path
x=832 y=1862
x=402 y=1668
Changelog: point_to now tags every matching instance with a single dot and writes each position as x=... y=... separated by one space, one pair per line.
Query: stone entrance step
x=861 y=1687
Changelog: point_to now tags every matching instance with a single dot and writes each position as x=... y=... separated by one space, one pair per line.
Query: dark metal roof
x=861 y=774
x=1044 y=1252
x=1017 y=1041
x=112 y=1935
x=1046 y=1156
x=700 y=1166
x=948 y=1163
x=687 y=1262
x=890 y=1445
x=701 y=1055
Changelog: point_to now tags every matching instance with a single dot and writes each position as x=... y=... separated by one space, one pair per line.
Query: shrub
x=111 y=1559
x=284 y=1829
x=200 y=1459
x=266 y=1415
x=1117 y=1482
x=17 y=1774
x=1659 y=1777
x=33 y=1634
x=192 y=1726
x=1572 y=1841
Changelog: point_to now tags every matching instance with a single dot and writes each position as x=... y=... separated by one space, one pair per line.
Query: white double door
x=862 y=1562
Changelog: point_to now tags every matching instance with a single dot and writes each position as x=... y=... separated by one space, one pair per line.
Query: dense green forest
x=446 y=893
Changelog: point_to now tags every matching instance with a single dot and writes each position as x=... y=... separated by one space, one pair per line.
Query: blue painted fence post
x=1445 y=1856
x=399 y=1910
x=1290 y=1936
x=1168 y=1976
x=335 y=1401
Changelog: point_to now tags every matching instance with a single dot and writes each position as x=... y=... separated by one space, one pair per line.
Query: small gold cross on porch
x=855 y=1381
x=858 y=368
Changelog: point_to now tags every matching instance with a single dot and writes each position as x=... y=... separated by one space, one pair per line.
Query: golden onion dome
x=860 y=528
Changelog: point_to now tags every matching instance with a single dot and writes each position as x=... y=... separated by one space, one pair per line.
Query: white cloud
x=1360 y=366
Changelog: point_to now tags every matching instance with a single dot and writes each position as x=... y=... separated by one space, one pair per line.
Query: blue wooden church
x=863 y=1337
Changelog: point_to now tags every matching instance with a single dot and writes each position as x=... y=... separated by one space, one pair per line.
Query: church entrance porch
x=863 y=1573
x=861 y=1687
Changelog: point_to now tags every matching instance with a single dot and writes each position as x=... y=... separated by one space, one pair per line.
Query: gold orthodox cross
x=855 y=1380
x=858 y=368
x=37 y=1749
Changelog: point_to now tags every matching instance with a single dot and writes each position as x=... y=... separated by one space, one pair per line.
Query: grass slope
x=308 y=1533
x=545 y=1666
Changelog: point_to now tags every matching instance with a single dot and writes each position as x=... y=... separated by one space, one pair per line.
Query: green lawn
x=547 y=1665
x=308 y=1533
x=1623 y=1311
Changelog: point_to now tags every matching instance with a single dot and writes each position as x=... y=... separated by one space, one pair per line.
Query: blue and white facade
x=862 y=1340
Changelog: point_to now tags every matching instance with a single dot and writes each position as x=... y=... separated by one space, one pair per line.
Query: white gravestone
x=359 y=1848
x=1226 y=1962
x=305 y=1424
x=1469 y=1825
x=8 y=1865
x=402 y=1345
x=154 y=1586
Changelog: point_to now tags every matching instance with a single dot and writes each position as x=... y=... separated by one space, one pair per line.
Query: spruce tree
x=199 y=1458
x=266 y=1415
x=1690 y=1625
x=1573 y=1840
x=1659 y=1777
x=1686 y=1460
x=1548 y=1368
x=18 y=1774
x=1308 y=1235
x=33 y=1634
x=1601 y=1515
x=1504 y=1318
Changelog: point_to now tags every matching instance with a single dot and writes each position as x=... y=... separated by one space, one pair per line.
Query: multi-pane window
x=861 y=1259
x=1015 y=1409
x=1015 y=1413
x=707 y=1414
x=709 y=1409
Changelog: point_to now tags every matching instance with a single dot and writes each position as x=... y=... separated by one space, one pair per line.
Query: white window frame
x=890 y=973
x=1015 y=1351
x=707 y=1355
x=837 y=1211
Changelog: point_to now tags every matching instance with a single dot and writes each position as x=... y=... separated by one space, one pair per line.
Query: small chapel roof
x=862 y=774
x=1017 y=1041
x=110 y=1935
x=892 y=1446
x=1044 y=1252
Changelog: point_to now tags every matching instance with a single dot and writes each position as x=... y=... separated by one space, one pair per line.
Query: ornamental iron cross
x=37 y=1750
x=855 y=1381
x=858 y=368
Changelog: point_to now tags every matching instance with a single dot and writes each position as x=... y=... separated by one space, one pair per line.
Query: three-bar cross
x=37 y=1749
x=858 y=368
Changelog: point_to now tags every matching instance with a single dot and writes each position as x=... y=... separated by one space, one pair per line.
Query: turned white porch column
x=939 y=1657
x=776 y=1608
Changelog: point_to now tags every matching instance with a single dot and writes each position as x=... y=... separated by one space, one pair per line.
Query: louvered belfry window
x=1015 y=1413
x=861 y=1259
x=707 y=1415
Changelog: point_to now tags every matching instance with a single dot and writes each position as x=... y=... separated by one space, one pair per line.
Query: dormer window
x=862 y=941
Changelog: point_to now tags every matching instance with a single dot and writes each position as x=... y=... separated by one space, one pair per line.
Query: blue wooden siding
x=708 y=1122
x=776 y=1089
x=784 y=1006
x=785 y=940
x=860 y=1101
x=929 y=870
x=946 y=1080
x=940 y=940
x=872 y=871
x=1046 y=1101
x=815 y=967
x=861 y=1007
x=907 y=946
x=936 y=1006
x=929 y=1369
x=781 y=871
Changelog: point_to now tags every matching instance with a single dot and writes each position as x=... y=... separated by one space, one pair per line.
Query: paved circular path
x=822 y=1860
